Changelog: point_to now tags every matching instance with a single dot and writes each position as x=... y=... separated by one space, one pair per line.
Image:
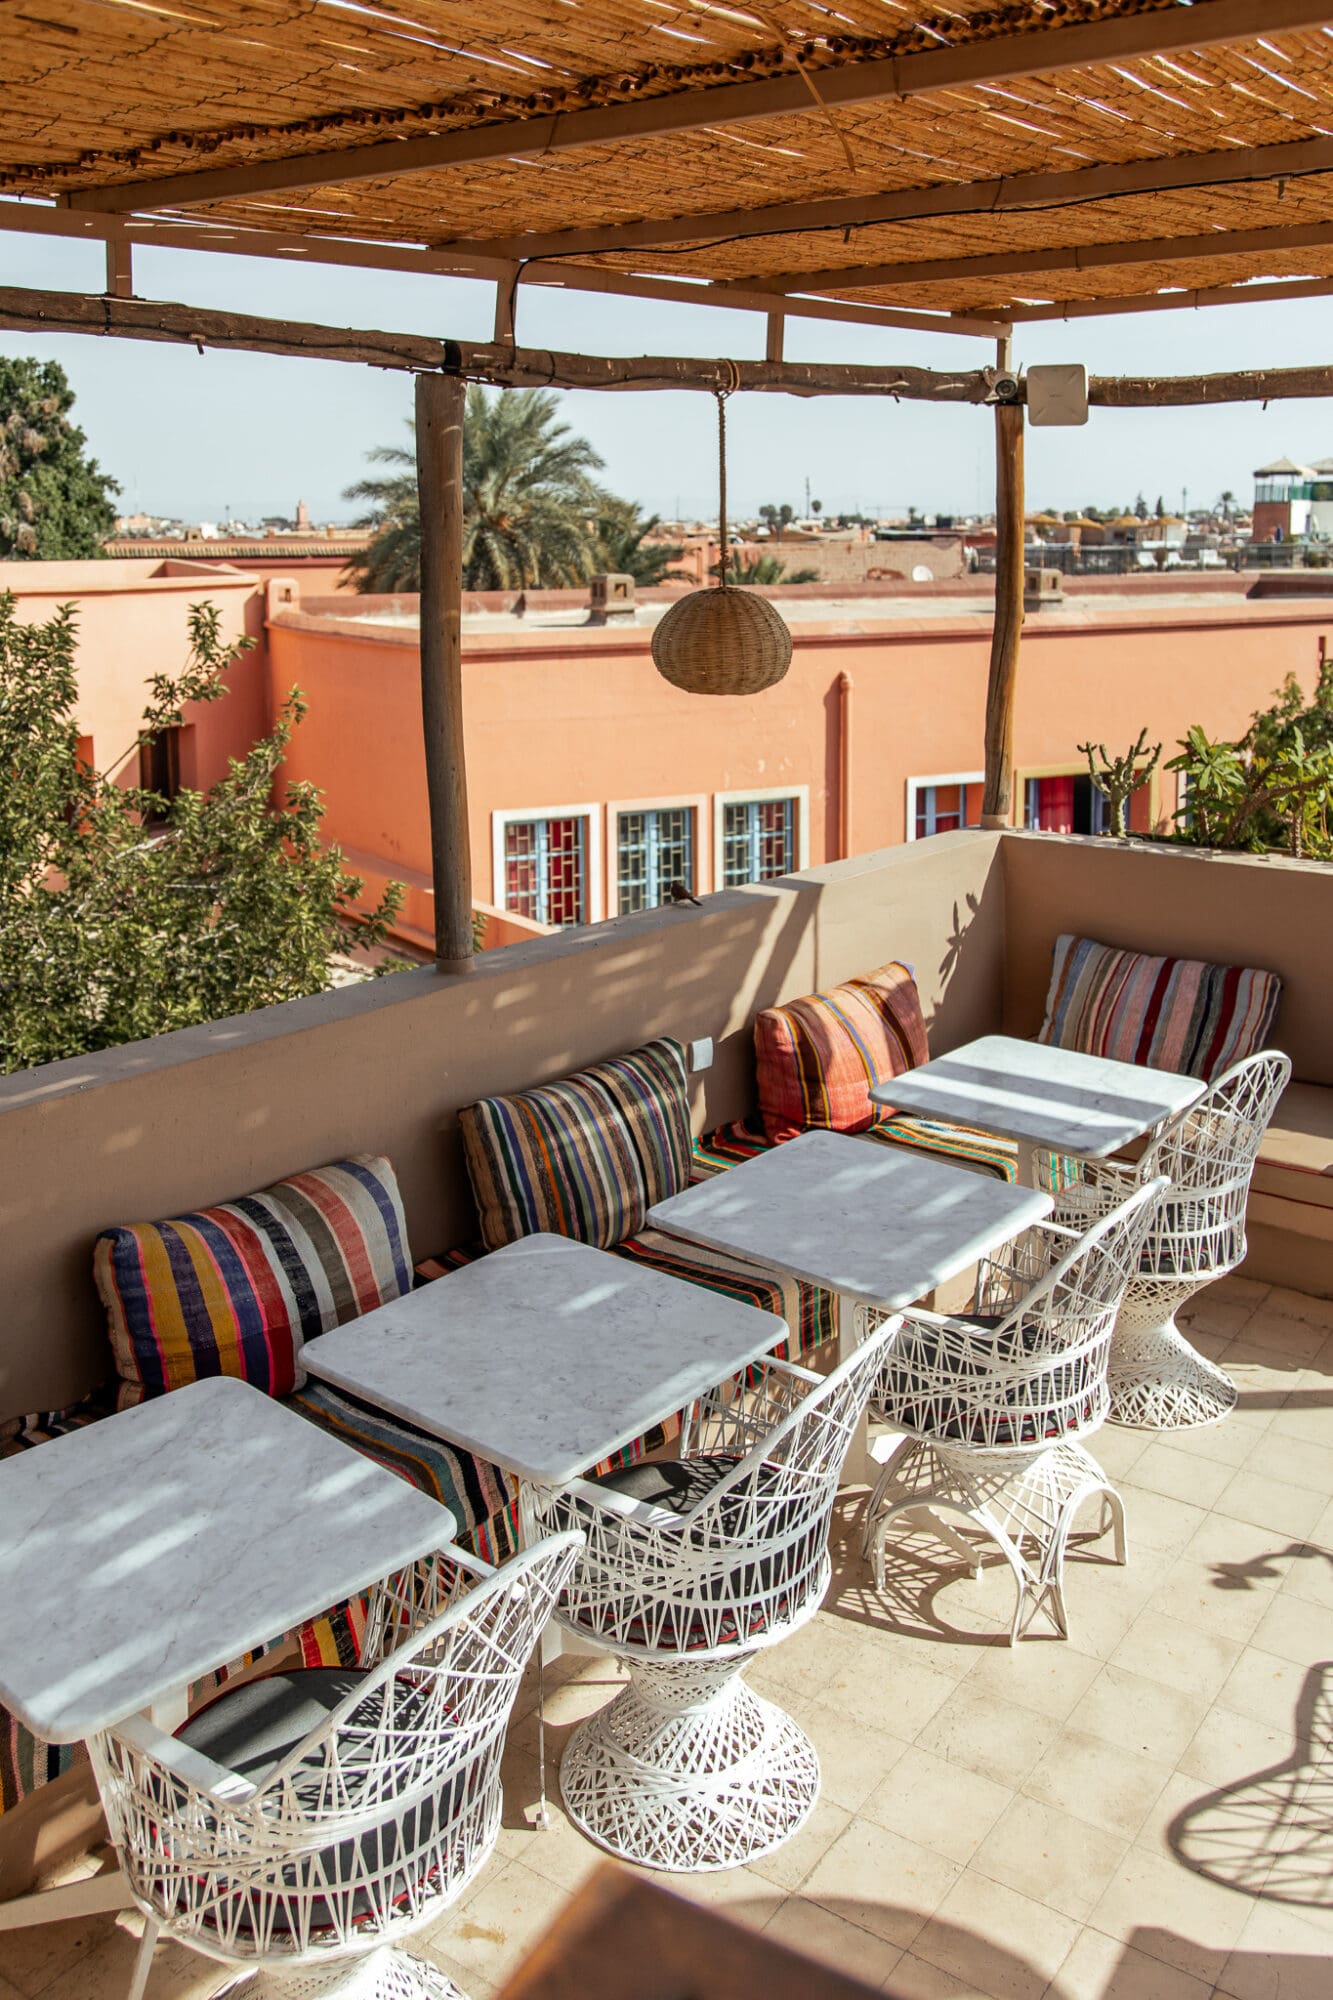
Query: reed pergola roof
x=975 y=161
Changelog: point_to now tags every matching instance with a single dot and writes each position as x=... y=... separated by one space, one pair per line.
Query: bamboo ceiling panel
x=100 y=93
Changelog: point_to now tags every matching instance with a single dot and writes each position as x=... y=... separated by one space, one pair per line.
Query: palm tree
x=624 y=549
x=530 y=504
x=767 y=569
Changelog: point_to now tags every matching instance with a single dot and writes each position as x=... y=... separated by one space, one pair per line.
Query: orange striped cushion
x=235 y=1290
x=818 y=1057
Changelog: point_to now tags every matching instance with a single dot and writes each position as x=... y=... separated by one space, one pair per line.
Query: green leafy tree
x=530 y=504
x=124 y=913
x=1140 y=509
x=55 y=502
x=623 y=545
x=1273 y=788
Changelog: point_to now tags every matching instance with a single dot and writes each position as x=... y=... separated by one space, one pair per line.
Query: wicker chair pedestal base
x=1023 y=1501
x=1158 y=1381
x=383 y=1974
x=689 y=1769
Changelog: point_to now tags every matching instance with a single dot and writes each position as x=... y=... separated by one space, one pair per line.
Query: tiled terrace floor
x=1143 y=1812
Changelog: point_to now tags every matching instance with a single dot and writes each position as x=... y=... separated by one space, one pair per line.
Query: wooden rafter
x=1001 y=58
x=989 y=197
x=31 y=219
x=1183 y=301
x=1073 y=257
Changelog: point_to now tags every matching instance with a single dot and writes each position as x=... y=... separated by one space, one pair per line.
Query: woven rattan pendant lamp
x=723 y=640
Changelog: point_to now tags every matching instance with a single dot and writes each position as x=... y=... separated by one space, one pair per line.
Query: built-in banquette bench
x=238 y=1288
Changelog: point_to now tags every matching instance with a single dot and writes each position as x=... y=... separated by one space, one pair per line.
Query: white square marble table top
x=1041 y=1095
x=875 y=1222
x=152 y=1547
x=546 y=1356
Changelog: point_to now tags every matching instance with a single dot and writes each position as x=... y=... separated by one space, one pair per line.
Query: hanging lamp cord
x=722 y=488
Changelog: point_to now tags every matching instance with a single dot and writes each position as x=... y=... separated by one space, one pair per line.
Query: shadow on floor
x=1271 y=1834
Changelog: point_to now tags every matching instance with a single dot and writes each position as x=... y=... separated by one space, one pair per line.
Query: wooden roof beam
x=992 y=197
x=1183 y=301
x=29 y=219
x=1075 y=257
x=1207 y=23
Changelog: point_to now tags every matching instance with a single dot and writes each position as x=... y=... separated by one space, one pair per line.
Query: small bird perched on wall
x=680 y=894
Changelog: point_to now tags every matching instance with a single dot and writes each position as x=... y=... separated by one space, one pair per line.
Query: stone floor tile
x=1279 y=1956
x=1195 y=1594
x=1155 y=1521
x=1170 y=1913
x=916 y=1978
x=1300 y=1306
x=737 y=1893
x=1105 y=1784
x=1117 y=1449
x=1301 y=1464
x=1103 y=1968
x=1042 y=1852
x=892 y=1687
x=854 y=1756
x=788 y=1866
x=939 y=1805
x=1228 y=1748
x=1241 y=1555
x=984 y=1733
x=494 y=1931
x=1166 y=1649
x=881 y=1881
x=104 y=1974
x=1228 y=1443
x=1179 y=1475
x=1141 y=1716
x=1222 y=1319
x=1235 y=1286
x=1101 y=1602
x=818 y=1933
x=1283 y=1335
x=1001 y=1941
x=1267 y=1687
x=1311 y=1575
x=1161 y=1832
x=1040 y=1673
x=34 y=1958
x=1271 y=1503
x=1294 y=1629
x=1306 y=1420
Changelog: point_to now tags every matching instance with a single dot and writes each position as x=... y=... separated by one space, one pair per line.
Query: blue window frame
x=758 y=840
x=654 y=848
x=546 y=875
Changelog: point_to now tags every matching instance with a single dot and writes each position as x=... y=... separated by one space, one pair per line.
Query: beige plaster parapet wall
x=206 y=1114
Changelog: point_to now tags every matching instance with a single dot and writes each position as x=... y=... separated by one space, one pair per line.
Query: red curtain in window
x=1055 y=805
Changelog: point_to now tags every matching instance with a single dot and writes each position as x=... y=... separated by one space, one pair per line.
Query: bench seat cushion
x=730 y=1144
x=237 y=1289
x=585 y=1157
x=1167 y=1013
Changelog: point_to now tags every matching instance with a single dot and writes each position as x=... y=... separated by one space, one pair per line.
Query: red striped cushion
x=1166 y=1013
x=235 y=1290
x=818 y=1057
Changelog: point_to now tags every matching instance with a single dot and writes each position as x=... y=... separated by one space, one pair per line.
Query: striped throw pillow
x=235 y=1290
x=586 y=1157
x=1166 y=1013
x=818 y=1057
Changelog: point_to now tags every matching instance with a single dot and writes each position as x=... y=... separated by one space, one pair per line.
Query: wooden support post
x=776 y=326
x=441 y=400
x=997 y=799
x=119 y=268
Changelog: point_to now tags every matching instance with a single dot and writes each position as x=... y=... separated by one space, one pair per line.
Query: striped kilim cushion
x=731 y=1144
x=586 y=1157
x=1167 y=1013
x=235 y=1290
x=818 y=1057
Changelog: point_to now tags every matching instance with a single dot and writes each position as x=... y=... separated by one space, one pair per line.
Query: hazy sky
x=214 y=435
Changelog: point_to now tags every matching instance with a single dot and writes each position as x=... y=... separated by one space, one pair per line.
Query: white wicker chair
x=261 y=1837
x=691 y=1567
x=997 y=1400
x=1158 y=1380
